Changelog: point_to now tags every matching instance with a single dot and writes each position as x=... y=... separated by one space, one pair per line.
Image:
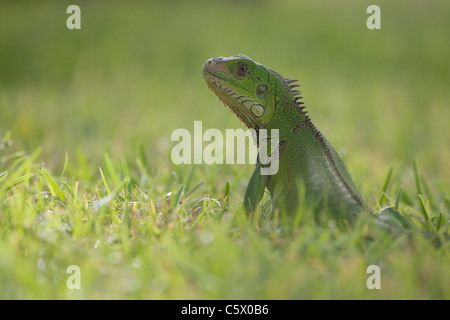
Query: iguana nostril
x=210 y=63
x=207 y=63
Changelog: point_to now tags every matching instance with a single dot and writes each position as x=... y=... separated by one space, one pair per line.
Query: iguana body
x=263 y=99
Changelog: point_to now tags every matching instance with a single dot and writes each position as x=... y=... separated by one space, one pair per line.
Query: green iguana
x=263 y=99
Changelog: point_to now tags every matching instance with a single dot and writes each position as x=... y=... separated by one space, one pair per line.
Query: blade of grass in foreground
x=51 y=184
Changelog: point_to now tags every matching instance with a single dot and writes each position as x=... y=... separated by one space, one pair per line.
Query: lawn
x=87 y=180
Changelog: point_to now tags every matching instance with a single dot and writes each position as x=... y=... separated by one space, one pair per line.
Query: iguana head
x=248 y=88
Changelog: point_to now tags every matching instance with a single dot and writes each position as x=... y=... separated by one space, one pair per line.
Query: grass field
x=86 y=177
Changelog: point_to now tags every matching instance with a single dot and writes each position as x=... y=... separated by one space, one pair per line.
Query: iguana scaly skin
x=263 y=99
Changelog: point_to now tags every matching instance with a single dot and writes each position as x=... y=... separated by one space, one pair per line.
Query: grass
x=86 y=177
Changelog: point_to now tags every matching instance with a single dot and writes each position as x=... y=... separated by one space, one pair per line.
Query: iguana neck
x=289 y=109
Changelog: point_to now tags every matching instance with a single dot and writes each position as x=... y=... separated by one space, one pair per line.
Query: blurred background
x=132 y=75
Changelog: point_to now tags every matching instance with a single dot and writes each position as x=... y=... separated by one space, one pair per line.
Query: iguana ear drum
x=261 y=89
x=257 y=110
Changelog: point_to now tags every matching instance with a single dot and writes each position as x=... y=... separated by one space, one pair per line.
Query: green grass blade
x=428 y=223
x=417 y=176
x=439 y=222
x=105 y=183
x=66 y=161
x=3 y=175
x=386 y=185
x=51 y=184
x=175 y=199
x=198 y=185
x=191 y=175
x=226 y=193
x=398 y=198
x=110 y=168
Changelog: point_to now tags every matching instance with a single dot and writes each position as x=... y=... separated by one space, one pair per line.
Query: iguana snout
x=214 y=65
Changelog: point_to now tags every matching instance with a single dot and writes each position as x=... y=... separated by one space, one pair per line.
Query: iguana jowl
x=263 y=99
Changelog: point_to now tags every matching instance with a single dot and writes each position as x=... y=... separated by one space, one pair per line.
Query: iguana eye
x=242 y=69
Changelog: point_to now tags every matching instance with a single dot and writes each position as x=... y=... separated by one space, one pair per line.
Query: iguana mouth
x=247 y=110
